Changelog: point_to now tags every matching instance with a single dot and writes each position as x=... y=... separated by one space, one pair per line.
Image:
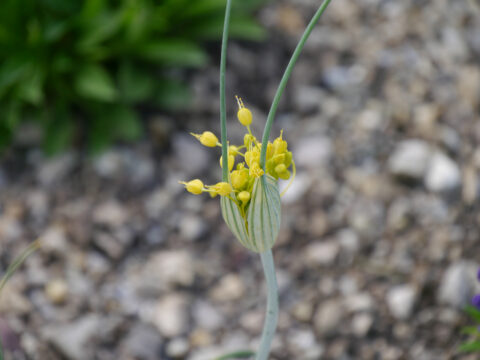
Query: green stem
x=223 y=113
x=271 y=316
x=1 y=349
x=18 y=261
x=236 y=355
x=286 y=76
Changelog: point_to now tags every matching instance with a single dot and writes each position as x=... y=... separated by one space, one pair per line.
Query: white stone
x=178 y=348
x=361 y=324
x=328 y=317
x=401 y=300
x=410 y=159
x=312 y=152
x=230 y=287
x=170 y=317
x=458 y=284
x=443 y=174
x=321 y=253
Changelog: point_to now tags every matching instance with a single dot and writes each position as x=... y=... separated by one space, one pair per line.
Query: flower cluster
x=476 y=298
x=244 y=164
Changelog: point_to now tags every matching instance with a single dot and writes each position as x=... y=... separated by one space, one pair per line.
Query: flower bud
x=194 y=186
x=231 y=162
x=239 y=178
x=207 y=138
x=244 y=196
x=222 y=188
x=244 y=116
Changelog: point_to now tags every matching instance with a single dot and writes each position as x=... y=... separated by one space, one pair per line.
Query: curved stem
x=223 y=115
x=286 y=76
x=271 y=316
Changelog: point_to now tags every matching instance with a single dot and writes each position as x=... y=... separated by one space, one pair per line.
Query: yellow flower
x=207 y=138
x=255 y=170
x=244 y=115
x=231 y=162
x=244 y=196
x=222 y=188
x=239 y=178
x=193 y=186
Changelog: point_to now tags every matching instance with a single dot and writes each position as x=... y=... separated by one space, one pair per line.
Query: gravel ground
x=380 y=231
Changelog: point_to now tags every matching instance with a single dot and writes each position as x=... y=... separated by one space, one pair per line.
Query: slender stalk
x=18 y=261
x=235 y=355
x=271 y=316
x=223 y=113
x=286 y=76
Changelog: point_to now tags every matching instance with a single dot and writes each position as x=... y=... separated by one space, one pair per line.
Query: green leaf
x=95 y=83
x=470 y=347
x=58 y=135
x=135 y=85
x=173 y=95
x=174 y=52
x=245 y=28
x=470 y=330
x=473 y=312
x=125 y=123
x=31 y=89
x=101 y=29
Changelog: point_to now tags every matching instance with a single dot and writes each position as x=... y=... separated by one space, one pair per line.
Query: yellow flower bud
x=232 y=150
x=222 y=188
x=244 y=196
x=244 y=115
x=281 y=168
x=231 y=162
x=239 y=178
x=280 y=145
x=193 y=186
x=207 y=138
x=284 y=175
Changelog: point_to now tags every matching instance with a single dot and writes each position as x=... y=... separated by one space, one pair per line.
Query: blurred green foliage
x=93 y=62
x=473 y=345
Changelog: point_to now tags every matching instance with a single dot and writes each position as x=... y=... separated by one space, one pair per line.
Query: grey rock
x=192 y=227
x=401 y=300
x=190 y=155
x=410 y=160
x=458 y=284
x=206 y=316
x=143 y=342
x=321 y=253
x=74 y=340
x=361 y=324
x=178 y=348
x=170 y=316
x=312 y=152
x=55 y=169
x=230 y=287
x=110 y=213
x=165 y=270
x=299 y=188
x=443 y=174
x=328 y=317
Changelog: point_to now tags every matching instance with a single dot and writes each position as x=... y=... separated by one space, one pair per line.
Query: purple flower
x=476 y=301
x=478 y=274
